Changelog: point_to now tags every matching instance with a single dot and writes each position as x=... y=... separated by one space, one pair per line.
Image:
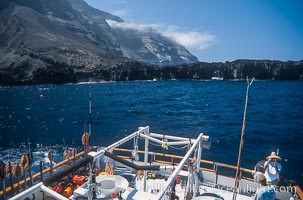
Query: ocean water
x=57 y=115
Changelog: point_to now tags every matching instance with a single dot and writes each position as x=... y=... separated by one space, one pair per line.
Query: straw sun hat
x=273 y=155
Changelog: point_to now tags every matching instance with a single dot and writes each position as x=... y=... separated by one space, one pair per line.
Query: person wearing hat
x=272 y=169
x=264 y=192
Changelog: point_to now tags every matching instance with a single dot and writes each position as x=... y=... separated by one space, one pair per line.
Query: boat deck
x=159 y=172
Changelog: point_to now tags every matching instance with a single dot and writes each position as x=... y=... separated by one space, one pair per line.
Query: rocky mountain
x=67 y=41
x=143 y=45
x=49 y=35
x=57 y=36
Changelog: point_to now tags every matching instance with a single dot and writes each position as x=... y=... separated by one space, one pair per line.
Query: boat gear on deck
x=68 y=191
x=66 y=154
x=113 y=187
x=109 y=169
x=24 y=161
x=67 y=170
x=85 y=142
x=79 y=180
x=9 y=168
x=59 y=188
x=17 y=170
x=130 y=164
x=103 y=174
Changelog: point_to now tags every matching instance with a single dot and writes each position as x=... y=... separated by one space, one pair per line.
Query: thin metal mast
x=30 y=161
x=90 y=115
x=242 y=140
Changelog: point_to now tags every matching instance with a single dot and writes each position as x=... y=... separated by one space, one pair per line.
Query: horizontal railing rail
x=175 y=158
x=214 y=165
x=19 y=185
x=162 y=158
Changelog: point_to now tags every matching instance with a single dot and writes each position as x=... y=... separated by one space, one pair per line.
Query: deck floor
x=158 y=184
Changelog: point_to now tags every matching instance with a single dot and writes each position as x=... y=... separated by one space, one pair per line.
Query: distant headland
x=61 y=73
x=68 y=41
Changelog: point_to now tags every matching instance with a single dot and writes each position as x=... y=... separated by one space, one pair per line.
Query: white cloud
x=120 y=13
x=189 y=39
x=134 y=26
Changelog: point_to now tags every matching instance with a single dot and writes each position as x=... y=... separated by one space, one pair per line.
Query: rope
x=154 y=144
x=173 y=147
x=178 y=148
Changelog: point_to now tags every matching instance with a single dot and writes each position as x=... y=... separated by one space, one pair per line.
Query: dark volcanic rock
x=238 y=70
x=42 y=36
x=55 y=36
x=53 y=41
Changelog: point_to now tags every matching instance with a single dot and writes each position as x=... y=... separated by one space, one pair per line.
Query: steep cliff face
x=57 y=36
x=263 y=69
x=236 y=70
x=48 y=35
x=142 y=45
x=54 y=41
x=151 y=47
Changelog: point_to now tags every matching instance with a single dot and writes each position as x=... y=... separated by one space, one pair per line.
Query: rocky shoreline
x=132 y=70
x=68 y=41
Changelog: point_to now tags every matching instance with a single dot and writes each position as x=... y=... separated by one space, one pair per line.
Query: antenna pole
x=30 y=161
x=242 y=140
x=90 y=115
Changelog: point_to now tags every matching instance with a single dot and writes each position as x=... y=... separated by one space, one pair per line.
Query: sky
x=219 y=30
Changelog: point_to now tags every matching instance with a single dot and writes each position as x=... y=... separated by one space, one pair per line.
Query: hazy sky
x=220 y=30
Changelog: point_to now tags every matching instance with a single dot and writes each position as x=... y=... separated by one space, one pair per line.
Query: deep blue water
x=184 y=108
